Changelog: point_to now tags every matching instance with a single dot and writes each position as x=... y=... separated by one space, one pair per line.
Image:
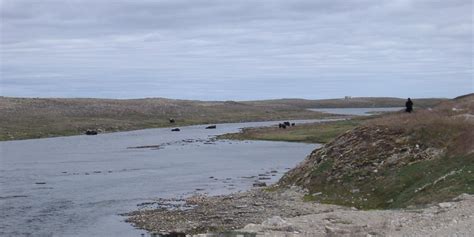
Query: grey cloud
x=219 y=43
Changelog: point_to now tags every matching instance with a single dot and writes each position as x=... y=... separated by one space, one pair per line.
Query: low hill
x=395 y=160
x=22 y=118
x=353 y=102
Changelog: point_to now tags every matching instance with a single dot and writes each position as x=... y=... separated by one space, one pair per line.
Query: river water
x=78 y=185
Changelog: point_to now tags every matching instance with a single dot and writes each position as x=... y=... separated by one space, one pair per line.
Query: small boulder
x=259 y=184
x=445 y=205
x=277 y=223
x=334 y=231
x=356 y=190
x=252 y=228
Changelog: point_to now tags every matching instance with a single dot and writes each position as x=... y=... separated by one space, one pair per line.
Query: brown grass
x=355 y=102
x=438 y=126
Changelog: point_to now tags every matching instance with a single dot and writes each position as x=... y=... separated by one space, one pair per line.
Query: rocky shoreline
x=282 y=212
x=202 y=214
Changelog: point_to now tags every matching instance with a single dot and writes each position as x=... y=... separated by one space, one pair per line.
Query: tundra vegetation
x=23 y=118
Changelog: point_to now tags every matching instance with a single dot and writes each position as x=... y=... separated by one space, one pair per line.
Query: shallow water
x=78 y=186
x=357 y=111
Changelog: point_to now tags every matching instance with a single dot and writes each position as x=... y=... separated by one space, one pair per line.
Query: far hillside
x=353 y=102
x=22 y=118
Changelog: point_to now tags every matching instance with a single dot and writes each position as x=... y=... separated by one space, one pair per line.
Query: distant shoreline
x=29 y=118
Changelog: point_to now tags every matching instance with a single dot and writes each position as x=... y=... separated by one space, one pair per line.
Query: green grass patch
x=324 y=166
x=309 y=133
x=417 y=184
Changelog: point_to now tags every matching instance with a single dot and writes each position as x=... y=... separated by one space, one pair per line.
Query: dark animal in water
x=293 y=124
x=282 y=125
x=172 y=120
x=286 y=124
x=175 y=130
x=211 y=127
x=91 y=132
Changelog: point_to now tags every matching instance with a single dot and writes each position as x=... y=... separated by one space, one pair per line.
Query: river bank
x=320 y=132
x=265 y=212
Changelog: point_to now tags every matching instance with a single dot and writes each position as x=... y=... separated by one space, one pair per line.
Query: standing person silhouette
x=409 y=105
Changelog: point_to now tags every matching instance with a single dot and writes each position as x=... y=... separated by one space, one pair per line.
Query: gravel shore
x=284 y=213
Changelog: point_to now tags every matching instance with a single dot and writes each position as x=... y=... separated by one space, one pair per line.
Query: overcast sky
x=236 y=50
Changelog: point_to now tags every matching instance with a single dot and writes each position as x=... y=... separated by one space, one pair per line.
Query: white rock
x=252 y=228
x=330 y=230
x=275 y=221
x=445 y=205
x=356 y=190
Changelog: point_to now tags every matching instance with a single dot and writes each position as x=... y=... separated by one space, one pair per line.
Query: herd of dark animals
x=408 y=109
x=91 y=132
x=284 y=125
